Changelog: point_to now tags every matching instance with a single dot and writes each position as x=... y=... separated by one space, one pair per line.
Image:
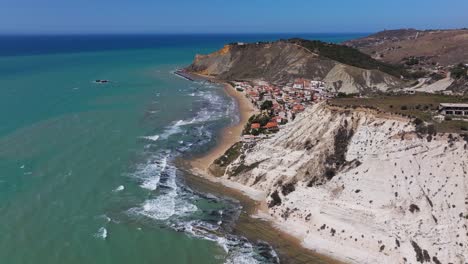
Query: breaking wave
x=119 y=188
x=151 y=138
x=101 y=233
x=171 y=203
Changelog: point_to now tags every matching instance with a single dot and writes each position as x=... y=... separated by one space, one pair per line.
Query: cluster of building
x=287 y=100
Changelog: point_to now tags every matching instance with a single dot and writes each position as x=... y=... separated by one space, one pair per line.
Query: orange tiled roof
x=255 y=126
x=271 y=125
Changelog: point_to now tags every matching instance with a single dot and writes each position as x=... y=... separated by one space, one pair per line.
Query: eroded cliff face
x=364 y=187
x=280 y=62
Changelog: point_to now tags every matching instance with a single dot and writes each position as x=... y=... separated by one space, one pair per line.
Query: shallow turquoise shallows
x=87 y=171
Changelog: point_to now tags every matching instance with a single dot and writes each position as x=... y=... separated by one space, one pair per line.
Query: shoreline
x=228 y=135
x=254 y=222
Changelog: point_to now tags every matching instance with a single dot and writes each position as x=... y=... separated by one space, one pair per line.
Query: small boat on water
x=101 y=81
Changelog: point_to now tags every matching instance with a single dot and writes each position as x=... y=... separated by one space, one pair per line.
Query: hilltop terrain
x=342 y=68
x=444 y=47
x=437 y=58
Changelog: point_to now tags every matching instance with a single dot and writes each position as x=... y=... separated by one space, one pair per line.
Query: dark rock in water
x=267 y=252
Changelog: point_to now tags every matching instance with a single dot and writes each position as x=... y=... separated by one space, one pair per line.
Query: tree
x=458 y=71
x=266 y=105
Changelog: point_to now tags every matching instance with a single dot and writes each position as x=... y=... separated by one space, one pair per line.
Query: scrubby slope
x=282 y=61
x=446 y=47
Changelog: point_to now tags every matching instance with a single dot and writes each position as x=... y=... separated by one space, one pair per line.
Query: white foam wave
x=153 y=173
x=150 y=173
x=101 y=233
x=160 y=208
x=151 y=138
x=119 y=188
x=242 y=258
x=165 y=206
x=172 y=130
x=151 y=184
x=169 y=203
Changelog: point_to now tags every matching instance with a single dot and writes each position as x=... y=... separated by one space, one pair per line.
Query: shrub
x=418 y=121
x=404 y=107
x=411 y=61
x=414 y=208
x=437 y=76
x=349 y=55
x=431 y=130
x=458 y=71
x=418 y=74
x=330 y=173
x=266 y=105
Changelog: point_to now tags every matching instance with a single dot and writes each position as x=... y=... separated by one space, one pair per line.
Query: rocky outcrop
x=363 y=187
x=282 y=61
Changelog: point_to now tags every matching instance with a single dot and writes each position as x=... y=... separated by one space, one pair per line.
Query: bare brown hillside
x=282 y=61
x=445 y=47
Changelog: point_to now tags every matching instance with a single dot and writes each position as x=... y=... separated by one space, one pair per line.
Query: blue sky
x=233 y=16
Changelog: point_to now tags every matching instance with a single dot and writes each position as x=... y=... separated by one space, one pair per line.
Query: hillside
x=446 y=47
x=362 y=186
x=342 y=68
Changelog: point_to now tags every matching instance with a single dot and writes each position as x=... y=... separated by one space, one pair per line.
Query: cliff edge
x=363 y=186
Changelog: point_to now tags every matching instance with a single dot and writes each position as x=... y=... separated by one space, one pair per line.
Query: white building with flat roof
x=454 y=109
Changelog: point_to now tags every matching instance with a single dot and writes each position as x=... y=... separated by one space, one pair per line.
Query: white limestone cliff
x=363 y=187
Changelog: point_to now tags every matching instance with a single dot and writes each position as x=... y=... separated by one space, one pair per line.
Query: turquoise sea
x=87 y=172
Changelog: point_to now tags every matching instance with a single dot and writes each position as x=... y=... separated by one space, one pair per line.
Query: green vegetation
x=230 y=155
x=267 y=105
x=411 y=61
x=350 y=56
x=262 y=119
x=219 y=165
x=244 y=168
x=420 y=106
x=417 y=74
x=345 y=95
x=459 y=71
x=437 y=76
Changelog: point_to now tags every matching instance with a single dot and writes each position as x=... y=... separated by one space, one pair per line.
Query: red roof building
x=298 y=108
x=271 y=125
x=255 y=126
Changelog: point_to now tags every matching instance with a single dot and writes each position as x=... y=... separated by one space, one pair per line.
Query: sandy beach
x=229 y=135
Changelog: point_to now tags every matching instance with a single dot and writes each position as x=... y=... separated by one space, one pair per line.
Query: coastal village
x=278 y=104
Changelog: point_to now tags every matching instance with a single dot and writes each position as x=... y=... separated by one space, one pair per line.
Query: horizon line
x=167 y=33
